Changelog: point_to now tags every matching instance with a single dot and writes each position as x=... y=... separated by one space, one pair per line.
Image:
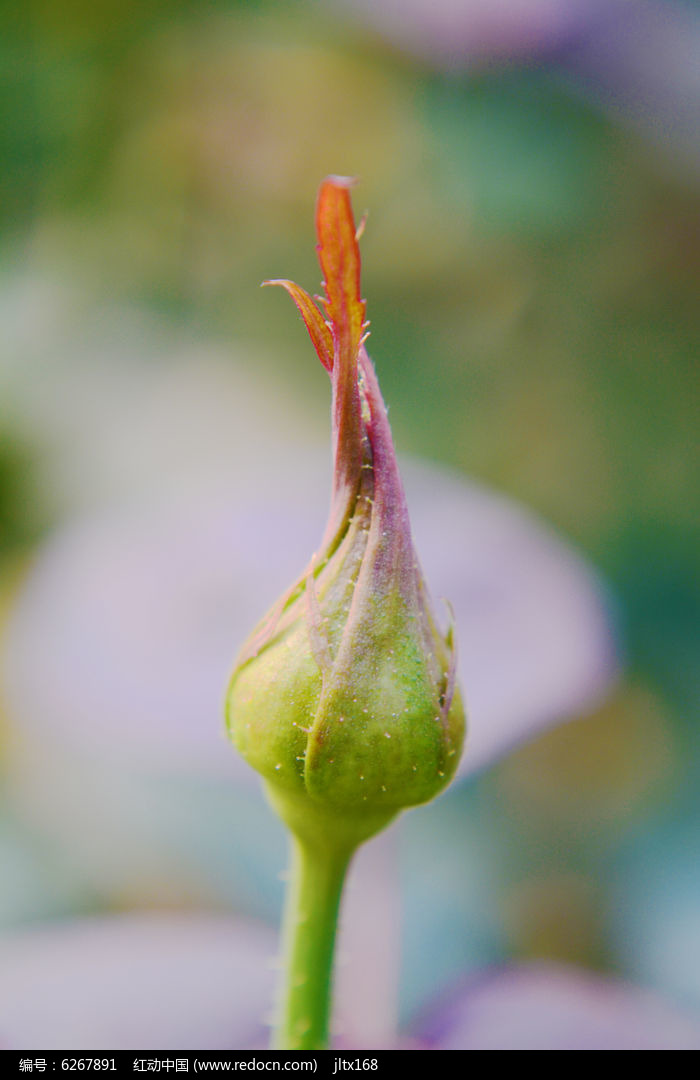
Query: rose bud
x=344 y=697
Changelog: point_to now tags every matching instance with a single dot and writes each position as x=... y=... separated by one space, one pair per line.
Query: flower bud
x=344 y=697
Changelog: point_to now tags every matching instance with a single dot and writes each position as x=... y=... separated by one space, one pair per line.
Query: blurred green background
x=530 y=263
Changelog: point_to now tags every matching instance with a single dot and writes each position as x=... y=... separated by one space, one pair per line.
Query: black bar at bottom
x=183 y=1065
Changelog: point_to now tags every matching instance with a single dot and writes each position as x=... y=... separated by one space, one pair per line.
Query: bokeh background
x=530 y=262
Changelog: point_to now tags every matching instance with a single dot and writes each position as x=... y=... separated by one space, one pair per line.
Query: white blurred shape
x=548 y=1007
x=456 y=33
x=366 y=1000
x=136 y=982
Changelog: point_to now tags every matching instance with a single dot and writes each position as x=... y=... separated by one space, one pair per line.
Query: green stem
x=311 y=914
